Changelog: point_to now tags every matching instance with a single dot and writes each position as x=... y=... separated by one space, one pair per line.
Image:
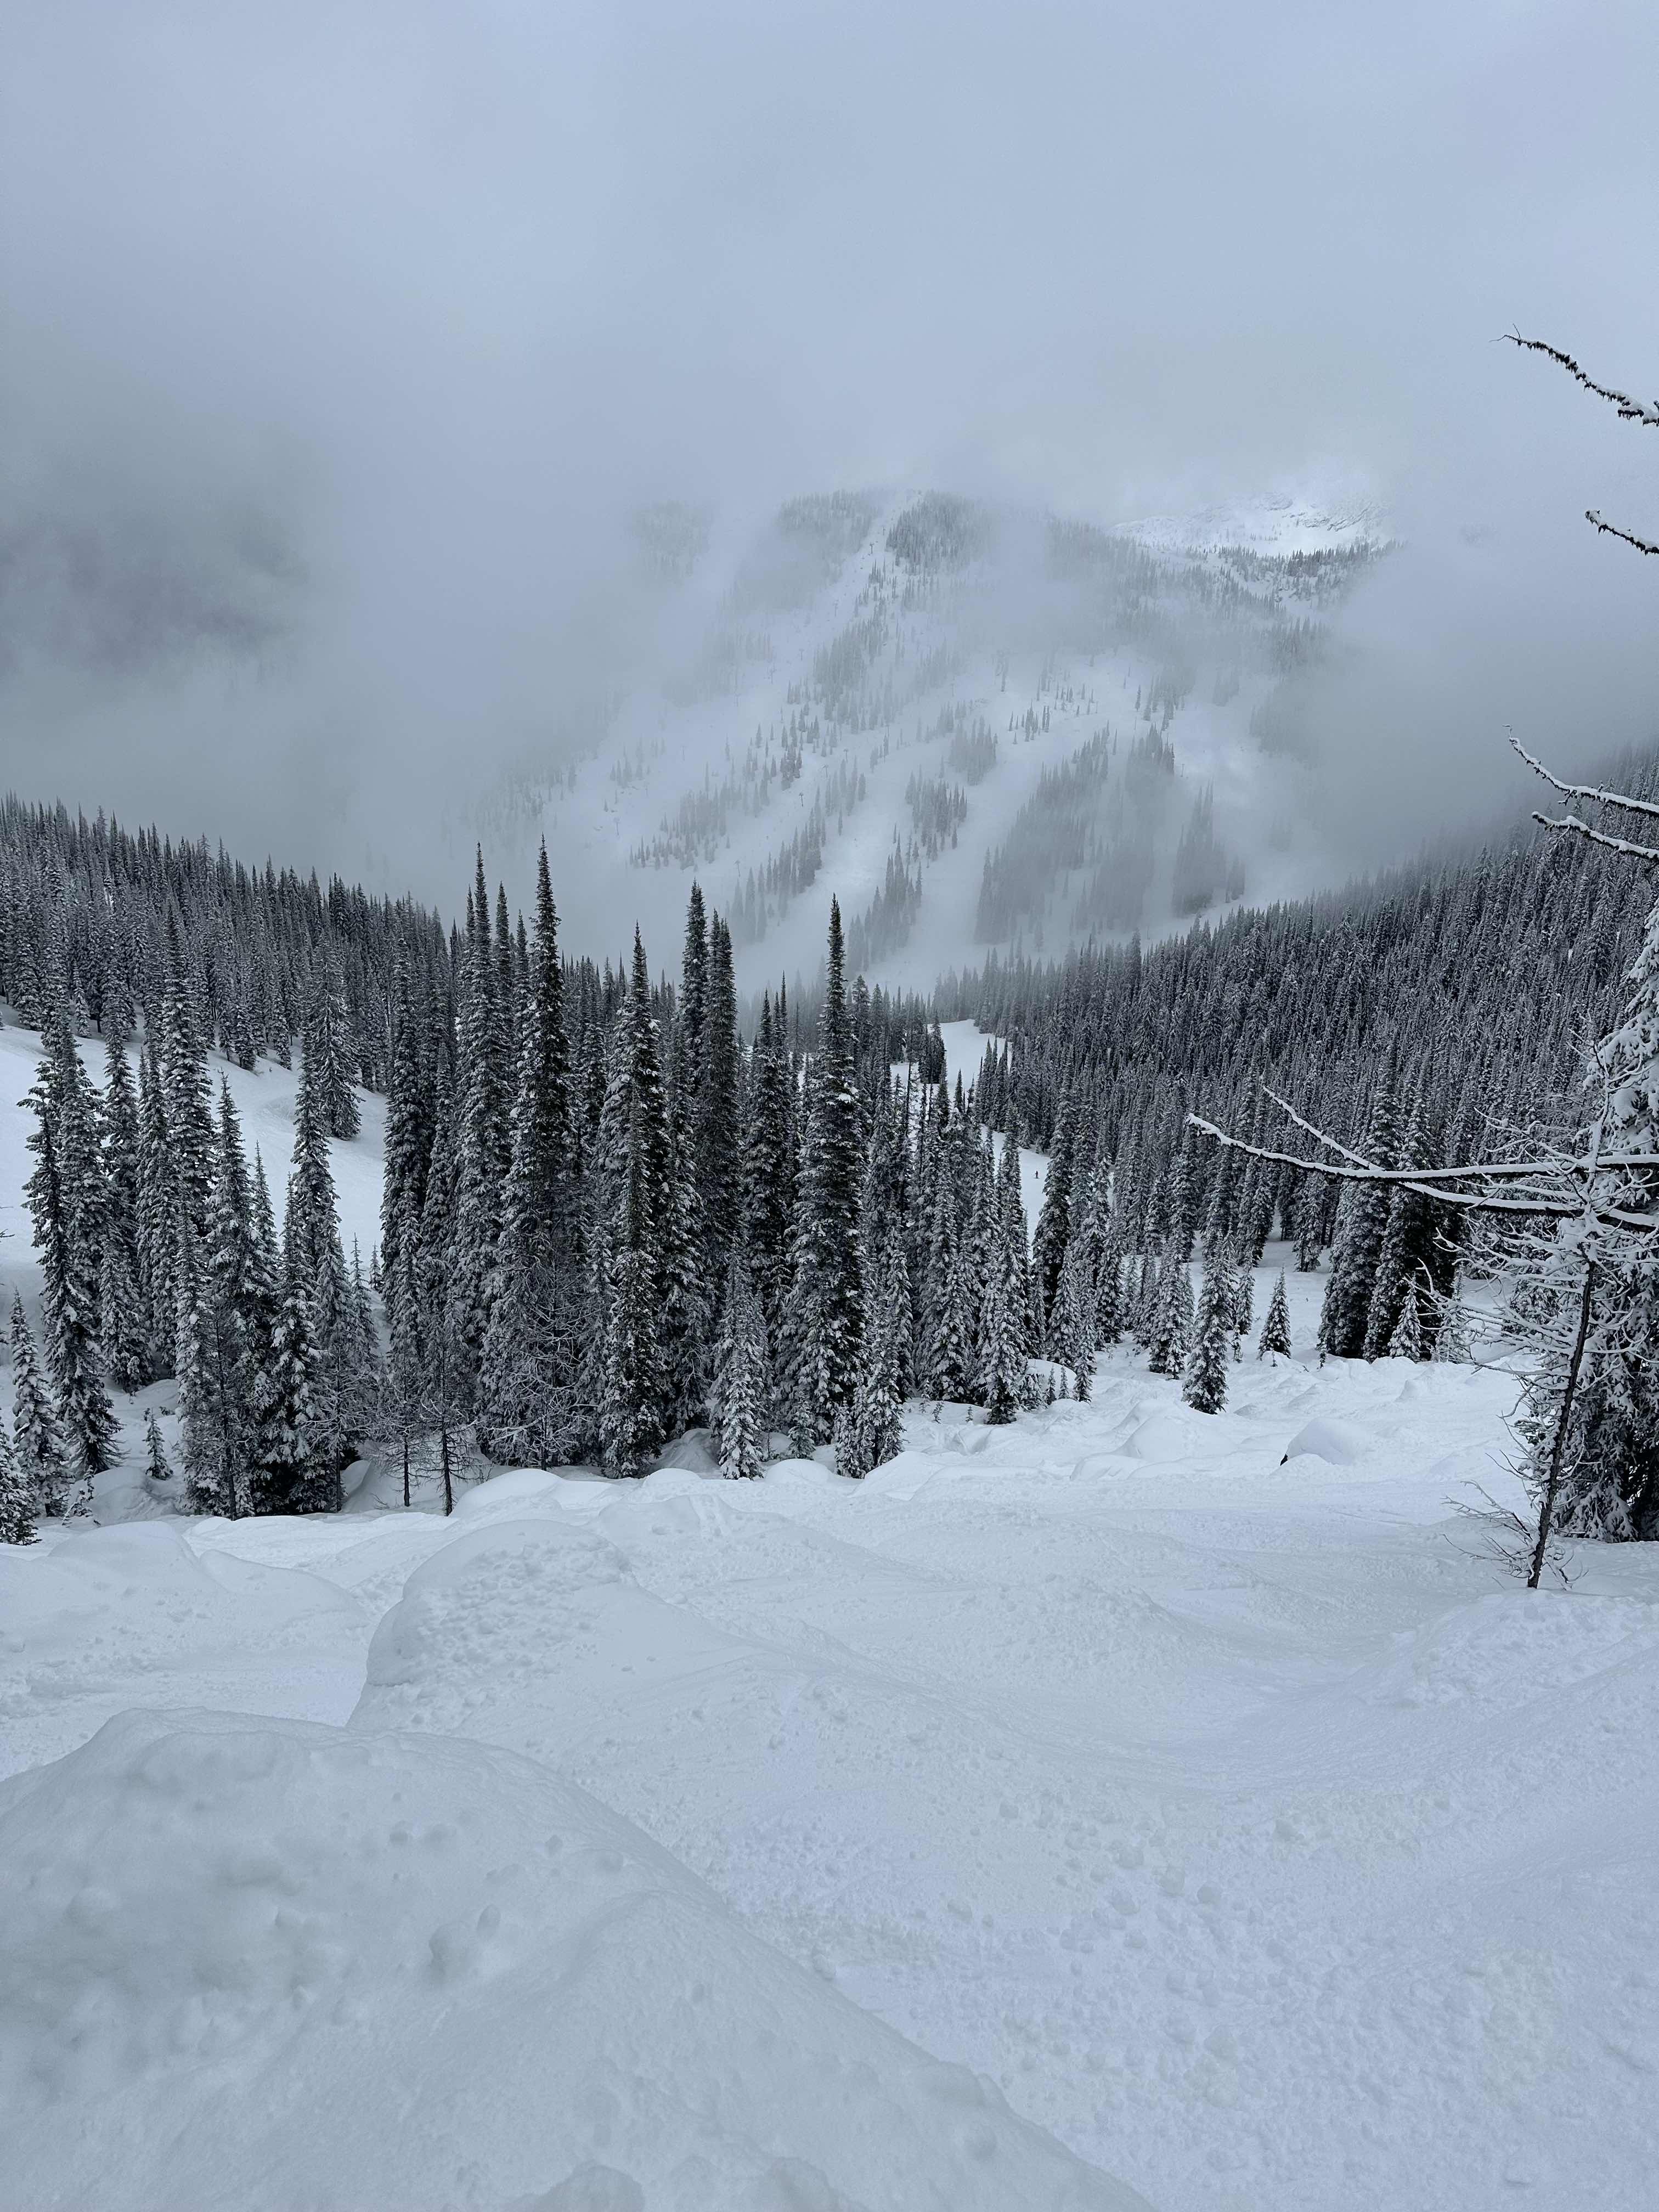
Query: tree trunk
x=1557 y=1447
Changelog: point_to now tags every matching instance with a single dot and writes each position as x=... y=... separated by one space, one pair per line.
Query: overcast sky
x=336 y=339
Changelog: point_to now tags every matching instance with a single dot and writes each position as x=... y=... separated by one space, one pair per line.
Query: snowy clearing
x=1257 y=1844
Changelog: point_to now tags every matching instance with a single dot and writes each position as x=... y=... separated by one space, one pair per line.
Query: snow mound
x=1511 y=1647
x=277 y=1964
x=1334 y=1441
x=1166 y=1438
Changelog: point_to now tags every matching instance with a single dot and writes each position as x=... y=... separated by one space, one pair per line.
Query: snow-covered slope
x=882 y=693
x=1193 y=1783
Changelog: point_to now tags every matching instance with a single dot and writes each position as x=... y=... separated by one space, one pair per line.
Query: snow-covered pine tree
x=630 y=1418
x=738 y=1402
x=18 y=1495
x=1172 y=1325
x=481 y=1141
x=313 y=1263
x=768 y=1171
x=158 y=1468
x=1206 y=1388
x=411 y=1105
x=123 y=1302
x=948 y=1362
x=531 y=1350
x=1054 y=1228
x=328 y=1050
x=1309 y=1224
x=719 y=1167
x=65 y=1201
x=184 y=1100
x=288 y=1479
x=1004 y=1364
x=1244 y=1292
x=38 y=1440
x=158 y=1213
x=1109 y=1285
x=824 y=1318
x=1347 y=1301
x=876 y=1427
x=1405 y=1339
x=207 y=1361
x=1071 y=1325
x=1017 y=1242
x=1452 y=1346
x=1407 y=1242
x=1275 y=1339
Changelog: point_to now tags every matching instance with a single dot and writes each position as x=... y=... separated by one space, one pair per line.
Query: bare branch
x=1630 y=410
x=1561 y=1204
x=1611 y=529
x=1581 y=829
x=1592 y=791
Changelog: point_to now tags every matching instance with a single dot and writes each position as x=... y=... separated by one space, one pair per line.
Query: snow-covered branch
x=1579 y=828
x=1591 y=791
x=1562 y=1189
x=1645 y=411
x=1611 y=529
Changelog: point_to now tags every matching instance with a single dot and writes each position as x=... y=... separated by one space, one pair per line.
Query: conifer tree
x=158 y=1210
x=1309 y=1224
x=719 y=1168
x=1071 y=1328
x=18 y=1495
x=630 y=1411
x=738 y=1399
x=1407 y=1242
x=1205 y=1389
x=824 y=1319
x=38 y=1441
x=1172 y=1323
x=124 y=1300
x=1275 y=1339
x=1054 y=1228
x=206 y=1362
x=66 y=1232
x=1406 y=1340
x=769 y=1172
x=328 y=1051
x=187 y=1112
x=157 y=1466
x=1347 y=1301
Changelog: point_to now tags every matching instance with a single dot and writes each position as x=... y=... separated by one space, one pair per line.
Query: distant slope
x=977 y=726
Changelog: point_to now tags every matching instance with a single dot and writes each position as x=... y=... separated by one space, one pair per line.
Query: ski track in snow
x=1216 y=1821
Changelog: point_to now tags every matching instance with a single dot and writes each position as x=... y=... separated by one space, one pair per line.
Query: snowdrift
x=277 y=1964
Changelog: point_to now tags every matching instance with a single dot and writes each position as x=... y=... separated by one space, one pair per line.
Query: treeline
x=100 y=916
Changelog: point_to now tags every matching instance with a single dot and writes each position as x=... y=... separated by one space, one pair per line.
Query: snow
x=1108 y=1795
x=1122 y=1792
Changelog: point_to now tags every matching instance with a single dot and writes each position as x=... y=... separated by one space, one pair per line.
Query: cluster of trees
x=161 y=1258
x=607 y=1221
x=103 y=917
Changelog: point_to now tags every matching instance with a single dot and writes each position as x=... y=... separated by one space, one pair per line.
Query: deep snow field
x=1105 y=1795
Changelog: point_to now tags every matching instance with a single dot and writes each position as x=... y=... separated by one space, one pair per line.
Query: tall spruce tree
x=824 y=1292
x=18 y=1495
x=737 y=1406
x=1347 y=1303
x=38 y=1440
x=1275 y=1339
x=1205 y=1389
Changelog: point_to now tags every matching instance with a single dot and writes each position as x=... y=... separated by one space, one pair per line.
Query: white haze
x=338 y=344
